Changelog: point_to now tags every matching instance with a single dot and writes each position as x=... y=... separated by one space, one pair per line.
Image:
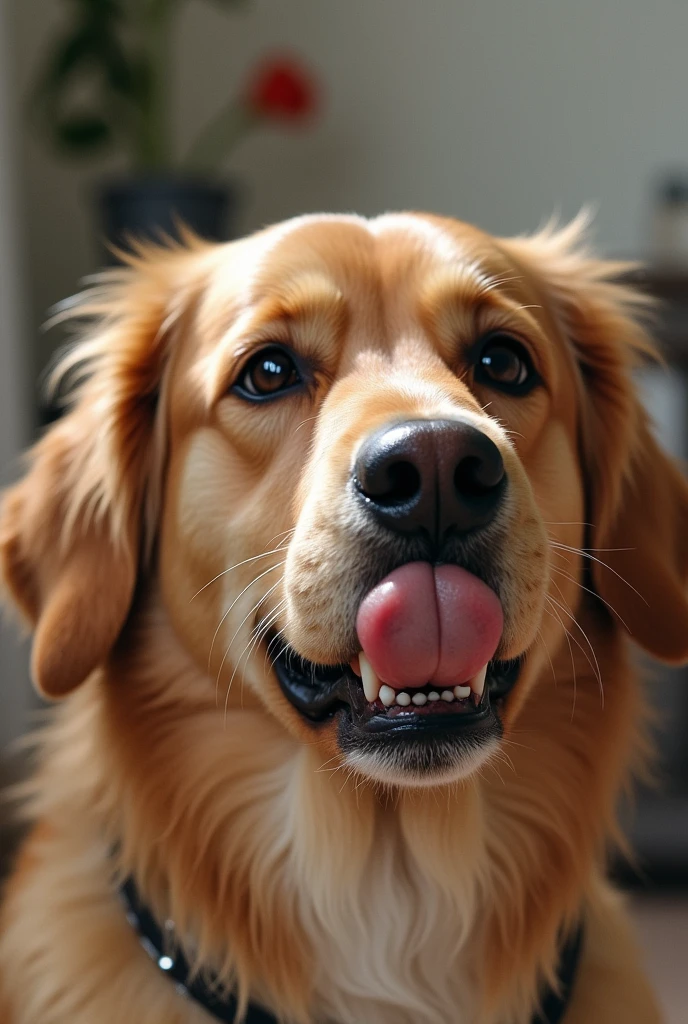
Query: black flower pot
x=155 y=208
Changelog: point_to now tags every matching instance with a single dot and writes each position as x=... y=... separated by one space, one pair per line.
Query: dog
x=332 y=565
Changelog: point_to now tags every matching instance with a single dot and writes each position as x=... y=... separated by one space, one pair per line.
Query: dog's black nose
x=438 y=476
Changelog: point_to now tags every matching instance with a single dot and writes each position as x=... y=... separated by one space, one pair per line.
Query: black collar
x=159 y=944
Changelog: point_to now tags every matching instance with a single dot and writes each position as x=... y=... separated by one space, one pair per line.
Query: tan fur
x=166 y=525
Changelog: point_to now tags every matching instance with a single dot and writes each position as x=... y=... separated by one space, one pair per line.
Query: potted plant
x=105 y=87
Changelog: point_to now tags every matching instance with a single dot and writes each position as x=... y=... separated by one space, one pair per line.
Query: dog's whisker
x=260 y=634
x=325 y=763
x=251 y=611
x=308 y=419
x=238 y=598
x=568 y=611
x=557 y=618
x=568 y=576
x=586 y=554
x=570 y=637
x=283 y=534
x=253 y=640
x=279 y=635
x=248 y=614
x=565 y=608
x=237 y=565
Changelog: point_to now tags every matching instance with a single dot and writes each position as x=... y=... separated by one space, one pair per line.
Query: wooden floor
x=662 y=922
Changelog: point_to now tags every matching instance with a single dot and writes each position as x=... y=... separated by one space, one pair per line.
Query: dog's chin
x=422 y=766
x=440 y=741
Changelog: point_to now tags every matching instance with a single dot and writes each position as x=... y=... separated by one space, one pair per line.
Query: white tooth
x=447 y=695
x=387 y=695
x=478 y=681
x=460 y=692
x=419 y=699
x=371 y=683
x=403 y=699
x=433 y=695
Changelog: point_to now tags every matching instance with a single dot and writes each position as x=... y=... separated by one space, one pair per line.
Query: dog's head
x=369 y=468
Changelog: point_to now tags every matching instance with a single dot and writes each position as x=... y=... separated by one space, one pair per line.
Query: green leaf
x=85 y=132
x=121 y=73
x=66 y=59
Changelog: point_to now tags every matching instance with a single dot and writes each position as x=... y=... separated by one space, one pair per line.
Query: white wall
x=498 y=111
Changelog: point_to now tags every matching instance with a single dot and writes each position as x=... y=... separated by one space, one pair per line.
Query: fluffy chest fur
x=393 y=948
x=388 y=924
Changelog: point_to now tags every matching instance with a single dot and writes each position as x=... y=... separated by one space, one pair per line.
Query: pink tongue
x=429 y=624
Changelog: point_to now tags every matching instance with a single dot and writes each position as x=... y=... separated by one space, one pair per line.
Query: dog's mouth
x=426 y=686
x=320 y=692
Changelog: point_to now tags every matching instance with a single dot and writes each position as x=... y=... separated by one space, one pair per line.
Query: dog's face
x=369 y=464
x=381 y=417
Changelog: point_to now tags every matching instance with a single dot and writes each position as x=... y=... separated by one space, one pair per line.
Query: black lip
x=321 y=692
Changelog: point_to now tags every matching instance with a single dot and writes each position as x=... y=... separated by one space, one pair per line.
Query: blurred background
x=113 y=113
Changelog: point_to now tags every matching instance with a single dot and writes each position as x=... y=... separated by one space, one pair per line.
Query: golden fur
x=164 y=525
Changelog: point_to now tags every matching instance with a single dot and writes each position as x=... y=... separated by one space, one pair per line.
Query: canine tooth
x=478 y=681
x=460 y=692
x=419 y=699
x=433 y=695
x=403 y=699
x=447 y=695
x=387 y=695
x=371 y=683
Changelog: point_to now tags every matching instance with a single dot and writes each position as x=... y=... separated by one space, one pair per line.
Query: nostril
x=404 y=483
x=476 y=476
x=392 y=484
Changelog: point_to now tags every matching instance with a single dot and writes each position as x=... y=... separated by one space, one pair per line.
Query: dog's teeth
x=371 y=683
x=461 y=692
x=403 y=699
x=433 y=695
x=355 y=665
x=478 y=681
x=447 y=695
x=387 y=695
x=419 y=699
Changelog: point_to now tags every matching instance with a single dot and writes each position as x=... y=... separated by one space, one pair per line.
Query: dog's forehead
x=379 y=256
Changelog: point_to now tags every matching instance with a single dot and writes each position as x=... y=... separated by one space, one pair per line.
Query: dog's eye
x=268 y=373
x=504 y=363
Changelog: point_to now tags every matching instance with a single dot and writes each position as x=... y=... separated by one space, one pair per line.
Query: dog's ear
x=641 y=569
x=73 y=530
x=637 y=496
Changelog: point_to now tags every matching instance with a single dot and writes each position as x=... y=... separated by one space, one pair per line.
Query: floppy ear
x=637 y=497
x=642 y=572
x=73 y=530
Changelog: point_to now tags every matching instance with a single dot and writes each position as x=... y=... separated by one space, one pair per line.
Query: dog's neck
x=304 y=885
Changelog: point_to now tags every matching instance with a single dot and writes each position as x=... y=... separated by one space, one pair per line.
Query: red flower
x=282 y=89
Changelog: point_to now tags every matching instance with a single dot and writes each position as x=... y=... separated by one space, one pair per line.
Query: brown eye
x=504 y=363
x=268 y=373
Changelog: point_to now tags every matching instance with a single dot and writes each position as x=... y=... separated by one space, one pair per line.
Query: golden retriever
x=332 y=565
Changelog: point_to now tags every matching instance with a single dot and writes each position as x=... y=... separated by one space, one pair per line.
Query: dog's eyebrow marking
x=309 y=300
x=449 y=300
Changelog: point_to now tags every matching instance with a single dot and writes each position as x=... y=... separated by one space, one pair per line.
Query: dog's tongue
x=426 y=624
